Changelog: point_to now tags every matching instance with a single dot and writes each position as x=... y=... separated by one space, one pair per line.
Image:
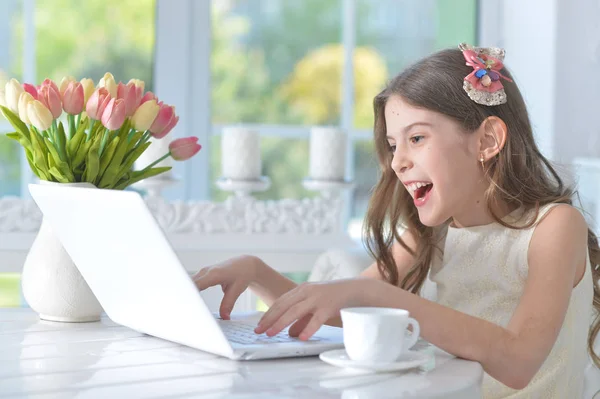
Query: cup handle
x=412 y=339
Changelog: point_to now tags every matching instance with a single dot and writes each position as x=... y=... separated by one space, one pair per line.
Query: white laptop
x=134 y=272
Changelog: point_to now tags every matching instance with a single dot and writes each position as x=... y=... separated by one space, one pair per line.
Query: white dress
x=483 y=272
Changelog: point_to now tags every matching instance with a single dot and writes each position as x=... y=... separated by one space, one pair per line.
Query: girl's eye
x=416 y=139
x=392 y=148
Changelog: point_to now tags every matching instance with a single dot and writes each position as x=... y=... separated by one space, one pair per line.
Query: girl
x=466 y=198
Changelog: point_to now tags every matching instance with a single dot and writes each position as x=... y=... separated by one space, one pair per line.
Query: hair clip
x=483 y=84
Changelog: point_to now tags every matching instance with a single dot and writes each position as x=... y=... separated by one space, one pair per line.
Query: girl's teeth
x=414 y=186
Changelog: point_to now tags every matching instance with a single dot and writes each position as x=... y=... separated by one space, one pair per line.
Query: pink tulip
x=185 y=148
x=131 y=95
x=31 y=89
x=73 y=98
x=50 y=97
x=147 y=97
x=50 y=82
x=113 y=115
x=164 y=121
x=97 y=103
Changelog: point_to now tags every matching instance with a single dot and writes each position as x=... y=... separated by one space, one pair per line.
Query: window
x=279 y=67
x=54 y=38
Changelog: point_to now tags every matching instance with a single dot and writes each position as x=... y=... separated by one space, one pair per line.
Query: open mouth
x=421 y=192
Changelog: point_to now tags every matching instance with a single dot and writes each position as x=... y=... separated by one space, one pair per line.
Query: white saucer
x=408 y=360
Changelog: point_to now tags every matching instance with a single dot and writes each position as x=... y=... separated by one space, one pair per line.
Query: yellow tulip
x=144 y=116
x=39 y=115
x=108 y=82
x=12 y=92
x=137 y=83
x=88 y=88
x=24 y=99
x=64 y=83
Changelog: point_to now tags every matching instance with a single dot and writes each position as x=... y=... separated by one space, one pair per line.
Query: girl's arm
x=512 y=355
x=268 y=284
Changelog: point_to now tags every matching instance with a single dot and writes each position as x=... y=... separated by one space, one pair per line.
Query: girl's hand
x=310 y=305
x=233 y=275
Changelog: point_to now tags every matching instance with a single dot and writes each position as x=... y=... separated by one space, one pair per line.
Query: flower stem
x=168 y=154
x=53 y=131
x=71 y=129
x=92 y=126
x=104 y=139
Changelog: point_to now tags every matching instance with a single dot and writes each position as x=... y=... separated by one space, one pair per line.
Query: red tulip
x=31 y=89
x=164 y=121
x=185 y=148
x=113 y=115
x=73 y=98
x=50 y=97
x=97 y=103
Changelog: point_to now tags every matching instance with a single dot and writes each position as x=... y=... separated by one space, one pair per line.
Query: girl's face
x=438 y=164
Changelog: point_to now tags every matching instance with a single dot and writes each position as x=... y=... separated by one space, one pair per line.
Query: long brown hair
x=519 y=176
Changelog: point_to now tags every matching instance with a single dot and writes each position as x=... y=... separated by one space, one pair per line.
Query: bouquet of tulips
x=102 y=132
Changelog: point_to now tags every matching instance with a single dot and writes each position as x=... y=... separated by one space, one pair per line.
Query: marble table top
x=41 y=359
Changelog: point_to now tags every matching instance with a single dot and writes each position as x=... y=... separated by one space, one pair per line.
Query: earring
x=482 y=160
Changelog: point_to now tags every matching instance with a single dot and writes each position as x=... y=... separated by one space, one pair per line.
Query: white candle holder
x=243 y=188
x=154 y=185
x=327 y=188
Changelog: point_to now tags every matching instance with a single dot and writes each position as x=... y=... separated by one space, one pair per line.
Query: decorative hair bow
x=483 y=84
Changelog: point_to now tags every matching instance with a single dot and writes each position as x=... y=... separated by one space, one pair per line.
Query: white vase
x=52 y=285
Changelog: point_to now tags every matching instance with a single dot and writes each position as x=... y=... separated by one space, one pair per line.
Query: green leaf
x=141 y=175
x=61 y=166
x=74 y=143
x=39 y=156
x=130 y=160
x=53 y=151
x=92 y=163
x=111 y=176
x=83 y=125
x=81 y=155
x=62 y=142
x=106 y=157
x=58 y=176
x=133 y=141
x=21 y=138
x=15 y=121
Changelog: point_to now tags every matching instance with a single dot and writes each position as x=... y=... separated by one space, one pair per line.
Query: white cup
x=378 y=335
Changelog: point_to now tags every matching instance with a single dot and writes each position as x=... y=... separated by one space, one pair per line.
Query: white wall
x=553 y=50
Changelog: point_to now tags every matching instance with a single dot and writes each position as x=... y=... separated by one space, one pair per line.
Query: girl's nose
x=400 y=163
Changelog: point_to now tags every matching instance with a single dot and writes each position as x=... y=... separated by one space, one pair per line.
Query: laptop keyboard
x=243 y=333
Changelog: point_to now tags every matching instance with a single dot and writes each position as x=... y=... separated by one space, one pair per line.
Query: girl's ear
x=492 y=137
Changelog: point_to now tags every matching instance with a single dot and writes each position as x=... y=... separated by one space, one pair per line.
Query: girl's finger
x=316 y=321
x=282 y=304
x=297 y=311
x=208 y=279
x=232 y=293
x=299 y=325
